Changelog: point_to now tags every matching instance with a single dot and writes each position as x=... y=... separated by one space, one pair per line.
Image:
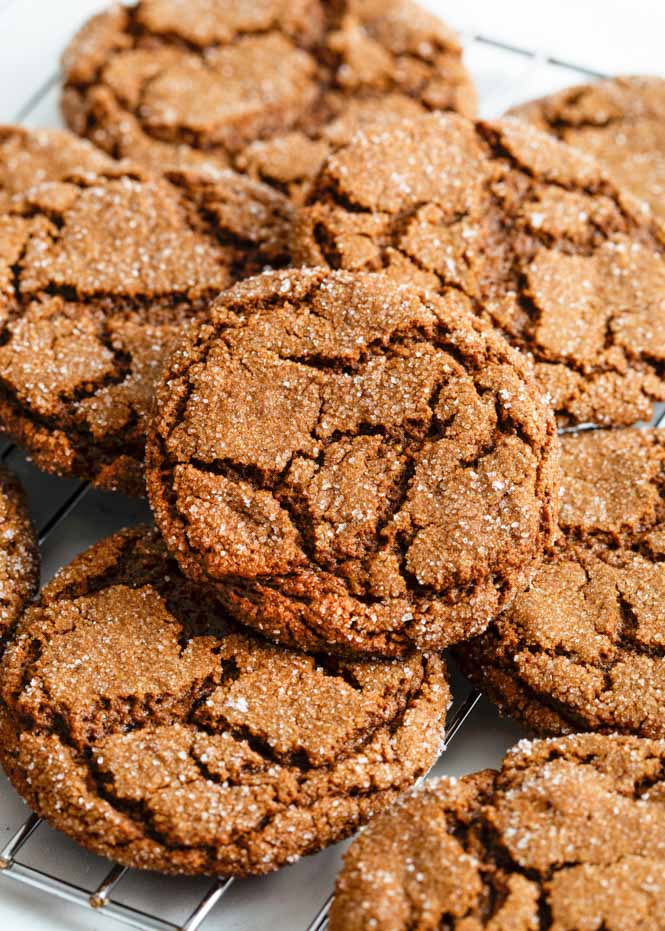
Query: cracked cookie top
x=621 y=121
x=140 y=721
x=570 y=269
x=584 y=647
x=265 y=87
x=569 y=835
x=32 y=157
x=102 y=267
x=19 y=555
x=360 y=466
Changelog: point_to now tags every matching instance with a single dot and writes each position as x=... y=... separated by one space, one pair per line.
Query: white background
x=609 y=37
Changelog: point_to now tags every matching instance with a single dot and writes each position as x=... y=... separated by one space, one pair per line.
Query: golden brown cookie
x=568 y=836
x=265 y=86
x=140 y=721
x=621 y=121
x=363 y=467
x=19 y=555
x=569 y=268
x=32 y=157
x=584 y=647
x=102 y=268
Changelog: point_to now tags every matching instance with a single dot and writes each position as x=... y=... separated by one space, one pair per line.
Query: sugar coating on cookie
x=568 y=835
x=265 y=87
x=140 y=721
x=584 y=647
x=102 y=268
x=567 y=266
x=362 y=466
x=19 y=555
x=621 y=121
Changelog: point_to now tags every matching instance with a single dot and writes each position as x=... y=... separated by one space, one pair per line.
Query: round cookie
x=568 y=835
x=568 y=267
x=363 y=467
x=584 y=647
x=140 y=721
x=102 y=268
x=265 y=87
x=19 y=554
x=621 y=121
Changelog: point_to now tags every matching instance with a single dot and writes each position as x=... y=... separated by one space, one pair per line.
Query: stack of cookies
x=280 y=281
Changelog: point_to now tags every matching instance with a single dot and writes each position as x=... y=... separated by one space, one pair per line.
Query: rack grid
x=71 y=517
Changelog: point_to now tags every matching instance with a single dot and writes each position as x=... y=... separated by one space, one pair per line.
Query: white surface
x=610 y=37
x=613 y=36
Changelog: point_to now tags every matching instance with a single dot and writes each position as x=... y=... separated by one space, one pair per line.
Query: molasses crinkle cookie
x=361 y=466
x=265 y=87
x=139 y=720
x=32 y=157
x=19 y=555
x=102 y=268
x=583 y=648
x=567 y=266
x=621 y=121
x=568 y=835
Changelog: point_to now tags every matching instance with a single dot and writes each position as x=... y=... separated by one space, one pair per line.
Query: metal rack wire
x=526 y=73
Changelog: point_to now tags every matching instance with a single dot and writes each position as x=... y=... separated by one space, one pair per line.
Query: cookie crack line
x=420 y=61
x=505 y=425
x=330 y=233
x=258 y=481
x=117 y=311
x=509 y=848
x=85 y=445
x=139 y=810
x=199 y=694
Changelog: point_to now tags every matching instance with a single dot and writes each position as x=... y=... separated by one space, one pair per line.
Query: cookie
x=621 y=121
x=102 y=267
x=32 y=157
x=265 y=87
x=140 y=721
x=570 y=269
x=19 y=555
x=584 y=647
x=363 y=467
x=568 y=835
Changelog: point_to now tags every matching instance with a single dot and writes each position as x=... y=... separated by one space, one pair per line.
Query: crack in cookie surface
x=102 y=268
x=620 y=122
x=567 y=835
x=266 y=88
x=359 y=466
x=584 y=646
x=568 y=267
x=137 y=718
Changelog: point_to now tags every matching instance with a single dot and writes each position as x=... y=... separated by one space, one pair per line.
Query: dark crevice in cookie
x=334 y=666
x=61 y=439
x=427 y=60
x=509 y=196
x=423 y=433
x=406 y=440
x=525 y=700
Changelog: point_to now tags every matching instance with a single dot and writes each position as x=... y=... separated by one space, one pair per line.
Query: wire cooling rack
x=71 y=517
